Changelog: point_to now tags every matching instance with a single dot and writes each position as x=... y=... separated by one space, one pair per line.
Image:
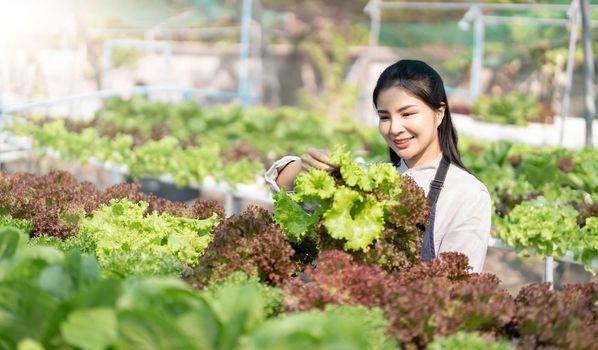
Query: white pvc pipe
x=566 y=103
x=466 y=5
x=549 y=271
x=477 y=63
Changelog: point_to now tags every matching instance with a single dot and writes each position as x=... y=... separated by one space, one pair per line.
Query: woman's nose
x=396 y=126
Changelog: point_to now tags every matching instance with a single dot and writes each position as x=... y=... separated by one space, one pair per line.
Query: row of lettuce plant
x=357 y=246
x=129 y=232
x=190 y=165
x=561 y=183
x=556 y=180
x=252 y=134
x=190 y=142
x=268 y=134
x=258 y=133
x=545 y=200
x=52 y=300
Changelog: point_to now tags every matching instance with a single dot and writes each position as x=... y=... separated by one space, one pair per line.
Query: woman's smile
x=403 y=143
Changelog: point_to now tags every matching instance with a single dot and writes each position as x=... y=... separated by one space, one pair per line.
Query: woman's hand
x=316 y=158
x=313 y=158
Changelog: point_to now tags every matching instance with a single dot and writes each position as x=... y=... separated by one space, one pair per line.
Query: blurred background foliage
x=325 y=39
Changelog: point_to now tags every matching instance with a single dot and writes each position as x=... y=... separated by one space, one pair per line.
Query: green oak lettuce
x=358 y=228
x=125 y=228
x=549 y=228
x=541 y=225
x=585 y=244
x=351 y=204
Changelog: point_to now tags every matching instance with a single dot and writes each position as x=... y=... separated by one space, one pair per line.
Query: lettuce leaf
x=292 y=218
x=356 y=219
x=352 y=173
x=315 y=184
x=124 y=226
x=353 y=206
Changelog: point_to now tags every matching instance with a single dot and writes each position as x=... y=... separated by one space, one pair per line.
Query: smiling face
x=409 y=126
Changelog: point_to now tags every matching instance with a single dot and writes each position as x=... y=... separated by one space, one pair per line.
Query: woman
x=415 y=121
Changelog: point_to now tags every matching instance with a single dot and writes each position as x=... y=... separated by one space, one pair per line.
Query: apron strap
x=438 y=182
x=436 y=185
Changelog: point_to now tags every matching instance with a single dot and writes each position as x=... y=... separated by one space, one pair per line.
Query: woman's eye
x=408 y=114
x=383 y=117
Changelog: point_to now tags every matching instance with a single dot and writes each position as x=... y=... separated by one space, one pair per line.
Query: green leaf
x=168 y=296
x=91 y=329
x=141 y=262
x=292 y=218
x=238 y=309
x=29 y=344
x=384 y=176
x=352 y=173
x=317 y=183
x=201 y=327
x=56 y=280
x=463 y=340
x=356 y=176
x=29 y=263
x=320 y=330
x=83 y=268
x=6 y=220
x=24 y=310
x=103 y=293
x=118 y=209
x=585 y=245
x=130 y=241
x=355 y=219
x=11 y=240
x=148 y=330
x=548 y=227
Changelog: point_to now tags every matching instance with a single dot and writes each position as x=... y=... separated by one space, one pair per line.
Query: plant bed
x=166 y=190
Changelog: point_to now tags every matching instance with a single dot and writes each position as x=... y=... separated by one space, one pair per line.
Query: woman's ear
x=440 y=114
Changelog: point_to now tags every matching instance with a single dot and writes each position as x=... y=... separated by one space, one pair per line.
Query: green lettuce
x=585 y=245
x=124 y=226
x=23 y=225
x=351 y=204
x=543 y=227
x=471 y=341
x=317 y=184
x=293 y=219
x=357 y=220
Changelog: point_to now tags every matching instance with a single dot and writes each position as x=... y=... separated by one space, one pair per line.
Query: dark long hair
x=423 y=82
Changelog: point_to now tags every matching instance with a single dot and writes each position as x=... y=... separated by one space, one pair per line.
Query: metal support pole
x=30 y=160
x=2 y=74
x=549 y=271
x=373 y=8
x=229 y=203
x=103 y=94
x=232 y=201
x=114 y=175
x=477 y=62
x=107 y=69
x=99 y=173
x=167 y=60
x=566 y=103
x=588 y=70
x=447 y=5
x=243 y=87
x=236 y=204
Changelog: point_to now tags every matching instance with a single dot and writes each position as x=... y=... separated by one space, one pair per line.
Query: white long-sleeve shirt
x=463 y=210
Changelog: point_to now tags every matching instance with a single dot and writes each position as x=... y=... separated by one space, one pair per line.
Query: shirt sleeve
x=469 y=230
x=272 y=174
